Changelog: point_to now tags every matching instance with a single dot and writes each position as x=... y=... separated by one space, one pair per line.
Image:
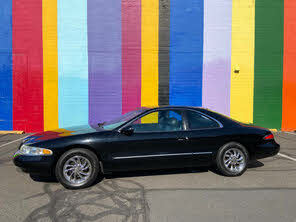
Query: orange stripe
x=289 y=75
x=50 y=64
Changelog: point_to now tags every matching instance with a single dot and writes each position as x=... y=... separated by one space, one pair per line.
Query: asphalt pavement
x=266 y=192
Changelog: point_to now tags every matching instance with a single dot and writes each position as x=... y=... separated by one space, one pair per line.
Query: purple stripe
x=217 y=55
x=104 y=49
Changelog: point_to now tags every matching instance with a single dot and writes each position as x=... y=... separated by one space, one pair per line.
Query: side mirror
x=127 y=131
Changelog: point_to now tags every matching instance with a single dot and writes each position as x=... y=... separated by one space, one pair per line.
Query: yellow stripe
x=242 y=59
x=64 y=132
x=150 y=118
x=50 y=64
x=149 y=95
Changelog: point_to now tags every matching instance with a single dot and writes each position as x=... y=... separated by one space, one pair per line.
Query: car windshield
x=112 y=124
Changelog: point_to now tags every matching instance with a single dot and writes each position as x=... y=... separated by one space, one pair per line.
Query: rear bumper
x=266 y=150
x=37 y=165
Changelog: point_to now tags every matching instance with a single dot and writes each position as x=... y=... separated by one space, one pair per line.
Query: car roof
x=173 y=106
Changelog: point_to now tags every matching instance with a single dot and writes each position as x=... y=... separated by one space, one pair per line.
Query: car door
x=158 y=142
x=204 y=136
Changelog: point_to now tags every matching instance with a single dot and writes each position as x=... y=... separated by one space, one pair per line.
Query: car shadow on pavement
x=157 y=172
x=255 y=164
x=52 y=179
x=46 y=179
x=252 y=164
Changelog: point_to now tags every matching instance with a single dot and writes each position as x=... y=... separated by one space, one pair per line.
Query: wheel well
x=79 y=146
x=248 y=148
x=246 y=145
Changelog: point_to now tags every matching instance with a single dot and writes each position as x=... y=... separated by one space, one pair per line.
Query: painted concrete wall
x=66 y=63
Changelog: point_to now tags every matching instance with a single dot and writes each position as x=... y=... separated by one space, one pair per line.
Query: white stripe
x=159 y=155
x=287 y=157
x=291 y=133
x=12 y=141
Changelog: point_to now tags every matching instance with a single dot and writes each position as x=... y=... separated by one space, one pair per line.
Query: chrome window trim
x=159 y=155
x=198 y=153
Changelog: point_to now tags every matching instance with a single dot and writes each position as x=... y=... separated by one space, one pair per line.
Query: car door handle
x=183 y=139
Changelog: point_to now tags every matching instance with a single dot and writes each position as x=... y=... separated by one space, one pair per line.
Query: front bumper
x=37 y=165
x=266 y=150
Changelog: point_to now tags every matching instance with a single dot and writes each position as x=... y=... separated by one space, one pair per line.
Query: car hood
x=62 y=132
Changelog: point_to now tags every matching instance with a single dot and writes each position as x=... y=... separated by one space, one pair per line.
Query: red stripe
x=27 y=65
x=289 y=75
x=131 y=54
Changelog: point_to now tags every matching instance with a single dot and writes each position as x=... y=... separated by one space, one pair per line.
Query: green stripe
x=269 y=28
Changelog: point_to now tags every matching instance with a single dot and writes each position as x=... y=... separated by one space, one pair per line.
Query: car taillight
x=268 y=137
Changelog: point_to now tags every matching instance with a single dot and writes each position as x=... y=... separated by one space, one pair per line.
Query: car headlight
x=34 y=151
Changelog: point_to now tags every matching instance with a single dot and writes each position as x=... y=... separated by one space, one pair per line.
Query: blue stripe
x=186 y=52
x=6 y=65
x=73 y=63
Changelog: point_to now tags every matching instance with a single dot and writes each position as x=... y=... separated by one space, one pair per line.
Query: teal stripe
x=73 y=63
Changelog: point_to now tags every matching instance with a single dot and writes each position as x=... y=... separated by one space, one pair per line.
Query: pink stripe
x=131 y=54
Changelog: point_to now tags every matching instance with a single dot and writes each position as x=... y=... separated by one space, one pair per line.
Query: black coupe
x=144 y=139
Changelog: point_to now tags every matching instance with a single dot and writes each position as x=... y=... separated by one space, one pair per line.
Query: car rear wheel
x=232 y=159
x=77 y=168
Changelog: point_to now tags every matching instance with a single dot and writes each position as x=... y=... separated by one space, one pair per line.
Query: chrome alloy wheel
x=77 y=170
x=234 y=160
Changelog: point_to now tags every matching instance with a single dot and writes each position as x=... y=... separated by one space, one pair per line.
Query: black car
x=145 y=139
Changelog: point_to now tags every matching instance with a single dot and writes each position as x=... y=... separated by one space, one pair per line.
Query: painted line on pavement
x=287 y=157
x=291 y=133
x=5 y=144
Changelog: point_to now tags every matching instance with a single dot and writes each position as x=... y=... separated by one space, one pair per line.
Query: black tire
x=222 y=168
x=85 y=153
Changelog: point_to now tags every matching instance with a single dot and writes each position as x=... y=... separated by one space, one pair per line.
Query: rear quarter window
x=199 y=121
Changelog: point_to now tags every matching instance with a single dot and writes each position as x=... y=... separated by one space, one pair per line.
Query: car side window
x=159 y=121
x=199 y=121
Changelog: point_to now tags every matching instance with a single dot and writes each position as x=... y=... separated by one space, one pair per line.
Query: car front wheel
x=232 y=159
x=77 y=168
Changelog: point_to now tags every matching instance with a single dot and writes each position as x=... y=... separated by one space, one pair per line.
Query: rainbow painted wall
x=69 y=62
